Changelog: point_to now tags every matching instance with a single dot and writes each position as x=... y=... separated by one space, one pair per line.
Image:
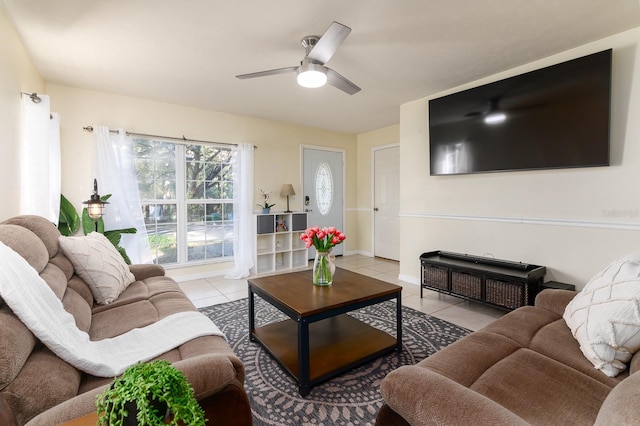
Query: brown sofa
x=524 y=368
x=38 y=388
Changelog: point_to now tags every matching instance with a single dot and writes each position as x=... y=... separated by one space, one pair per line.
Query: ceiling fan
x=312 y=71
x=493 y=115
x=496 y=114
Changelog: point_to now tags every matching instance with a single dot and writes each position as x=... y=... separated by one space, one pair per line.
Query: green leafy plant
x=150 y=386
x=68 y=219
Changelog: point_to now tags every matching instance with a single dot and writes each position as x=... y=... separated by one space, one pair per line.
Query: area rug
x=350 y=399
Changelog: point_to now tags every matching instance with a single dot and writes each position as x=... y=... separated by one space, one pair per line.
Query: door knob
x=375 y=209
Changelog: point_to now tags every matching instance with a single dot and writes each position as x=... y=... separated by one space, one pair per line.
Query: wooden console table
x=500 y=283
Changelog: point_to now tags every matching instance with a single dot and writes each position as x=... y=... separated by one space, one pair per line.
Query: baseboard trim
x=409 y=279
x=199 y=276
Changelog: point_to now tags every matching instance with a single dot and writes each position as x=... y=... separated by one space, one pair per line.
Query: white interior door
x=386 y=210
x=323 y=191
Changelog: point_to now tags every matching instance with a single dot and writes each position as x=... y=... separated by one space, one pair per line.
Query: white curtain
x=243 y=238
x=40 y=177
x=115 y=171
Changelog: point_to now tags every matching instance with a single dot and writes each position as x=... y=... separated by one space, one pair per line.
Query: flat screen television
x=554 y=117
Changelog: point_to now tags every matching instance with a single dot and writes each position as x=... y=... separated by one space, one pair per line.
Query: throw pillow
x=99 y=264
x=605 y=316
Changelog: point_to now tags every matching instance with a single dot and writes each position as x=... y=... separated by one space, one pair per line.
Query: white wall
x=17 y=74
x=573 y=221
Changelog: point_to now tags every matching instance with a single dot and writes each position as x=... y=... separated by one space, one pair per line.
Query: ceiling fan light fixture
x=312 y=75
x=495 y=118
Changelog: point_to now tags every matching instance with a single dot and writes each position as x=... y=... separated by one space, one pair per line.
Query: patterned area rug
x=350 y=399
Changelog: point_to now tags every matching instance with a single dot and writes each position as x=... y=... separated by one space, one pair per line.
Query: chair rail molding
x=528 y=220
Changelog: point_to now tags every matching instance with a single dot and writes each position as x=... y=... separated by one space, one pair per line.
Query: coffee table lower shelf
x=336 y=344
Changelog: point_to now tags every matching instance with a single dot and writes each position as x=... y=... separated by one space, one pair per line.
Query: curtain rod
x=36 y=100
x=34 y=97
x=182 y=139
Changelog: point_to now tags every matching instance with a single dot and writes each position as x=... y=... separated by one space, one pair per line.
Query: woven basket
x=435 y=276
x=466 y=285
x=508 y=294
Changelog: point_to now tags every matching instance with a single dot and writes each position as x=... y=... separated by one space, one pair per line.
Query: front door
x=323 y=191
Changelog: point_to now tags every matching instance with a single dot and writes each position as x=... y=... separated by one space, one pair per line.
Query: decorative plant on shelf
x=152 y=393
x=323 y=240
x=266 y=195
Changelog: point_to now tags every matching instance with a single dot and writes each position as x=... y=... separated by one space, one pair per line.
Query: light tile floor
x=471 y=315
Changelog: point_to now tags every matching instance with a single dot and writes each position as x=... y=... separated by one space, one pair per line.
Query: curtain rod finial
x=88 y=128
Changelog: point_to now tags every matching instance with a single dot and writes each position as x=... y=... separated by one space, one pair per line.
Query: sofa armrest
x=423 y=397
x=554 y=300
x=142 y=271
x=6 y=414
x=207 y=373
x=70 y=409
x=622 y=405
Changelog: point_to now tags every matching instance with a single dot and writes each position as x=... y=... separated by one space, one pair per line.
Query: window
x=187 y=200
x=324 y=188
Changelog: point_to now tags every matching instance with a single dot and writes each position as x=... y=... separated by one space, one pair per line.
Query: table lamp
x=287 y=189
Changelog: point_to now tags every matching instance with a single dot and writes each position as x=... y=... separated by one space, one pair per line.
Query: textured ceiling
x=189 y=52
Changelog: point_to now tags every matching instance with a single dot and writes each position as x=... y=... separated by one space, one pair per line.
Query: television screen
x=554 y=117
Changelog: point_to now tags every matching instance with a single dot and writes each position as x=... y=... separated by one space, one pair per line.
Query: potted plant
x=265 y=206
x=152 y=393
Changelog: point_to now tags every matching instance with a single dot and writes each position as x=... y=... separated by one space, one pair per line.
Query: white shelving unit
x=278 y=244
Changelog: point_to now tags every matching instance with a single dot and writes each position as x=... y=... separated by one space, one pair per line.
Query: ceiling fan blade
x=474 y=114
x=329 y=42
x=268 y=72
x=339 y=82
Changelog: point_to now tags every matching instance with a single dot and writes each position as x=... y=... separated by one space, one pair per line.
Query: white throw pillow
x=605 y=316
x=99 y=264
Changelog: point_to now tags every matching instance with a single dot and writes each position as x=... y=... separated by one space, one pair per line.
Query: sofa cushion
x=26 y=244
x=78 y=307
x=423 y=397
x=45 y=230
x=468 y=358
x=523 y=324
x=541 y=390
x=16 y=344
x=113 y=322
x=99 y=264
x=143 y=290
x=555 y=341
x=605 y=316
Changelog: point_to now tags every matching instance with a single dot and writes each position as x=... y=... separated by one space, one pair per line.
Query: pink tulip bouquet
x=322 y=239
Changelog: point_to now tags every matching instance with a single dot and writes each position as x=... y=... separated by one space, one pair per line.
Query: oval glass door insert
x=324 y=188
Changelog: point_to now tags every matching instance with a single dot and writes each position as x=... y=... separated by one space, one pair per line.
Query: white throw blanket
x=33 y=301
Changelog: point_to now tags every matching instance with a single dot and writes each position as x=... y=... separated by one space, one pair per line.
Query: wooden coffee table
x=321 y=341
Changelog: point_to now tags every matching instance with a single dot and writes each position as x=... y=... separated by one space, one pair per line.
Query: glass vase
x=323 y=268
